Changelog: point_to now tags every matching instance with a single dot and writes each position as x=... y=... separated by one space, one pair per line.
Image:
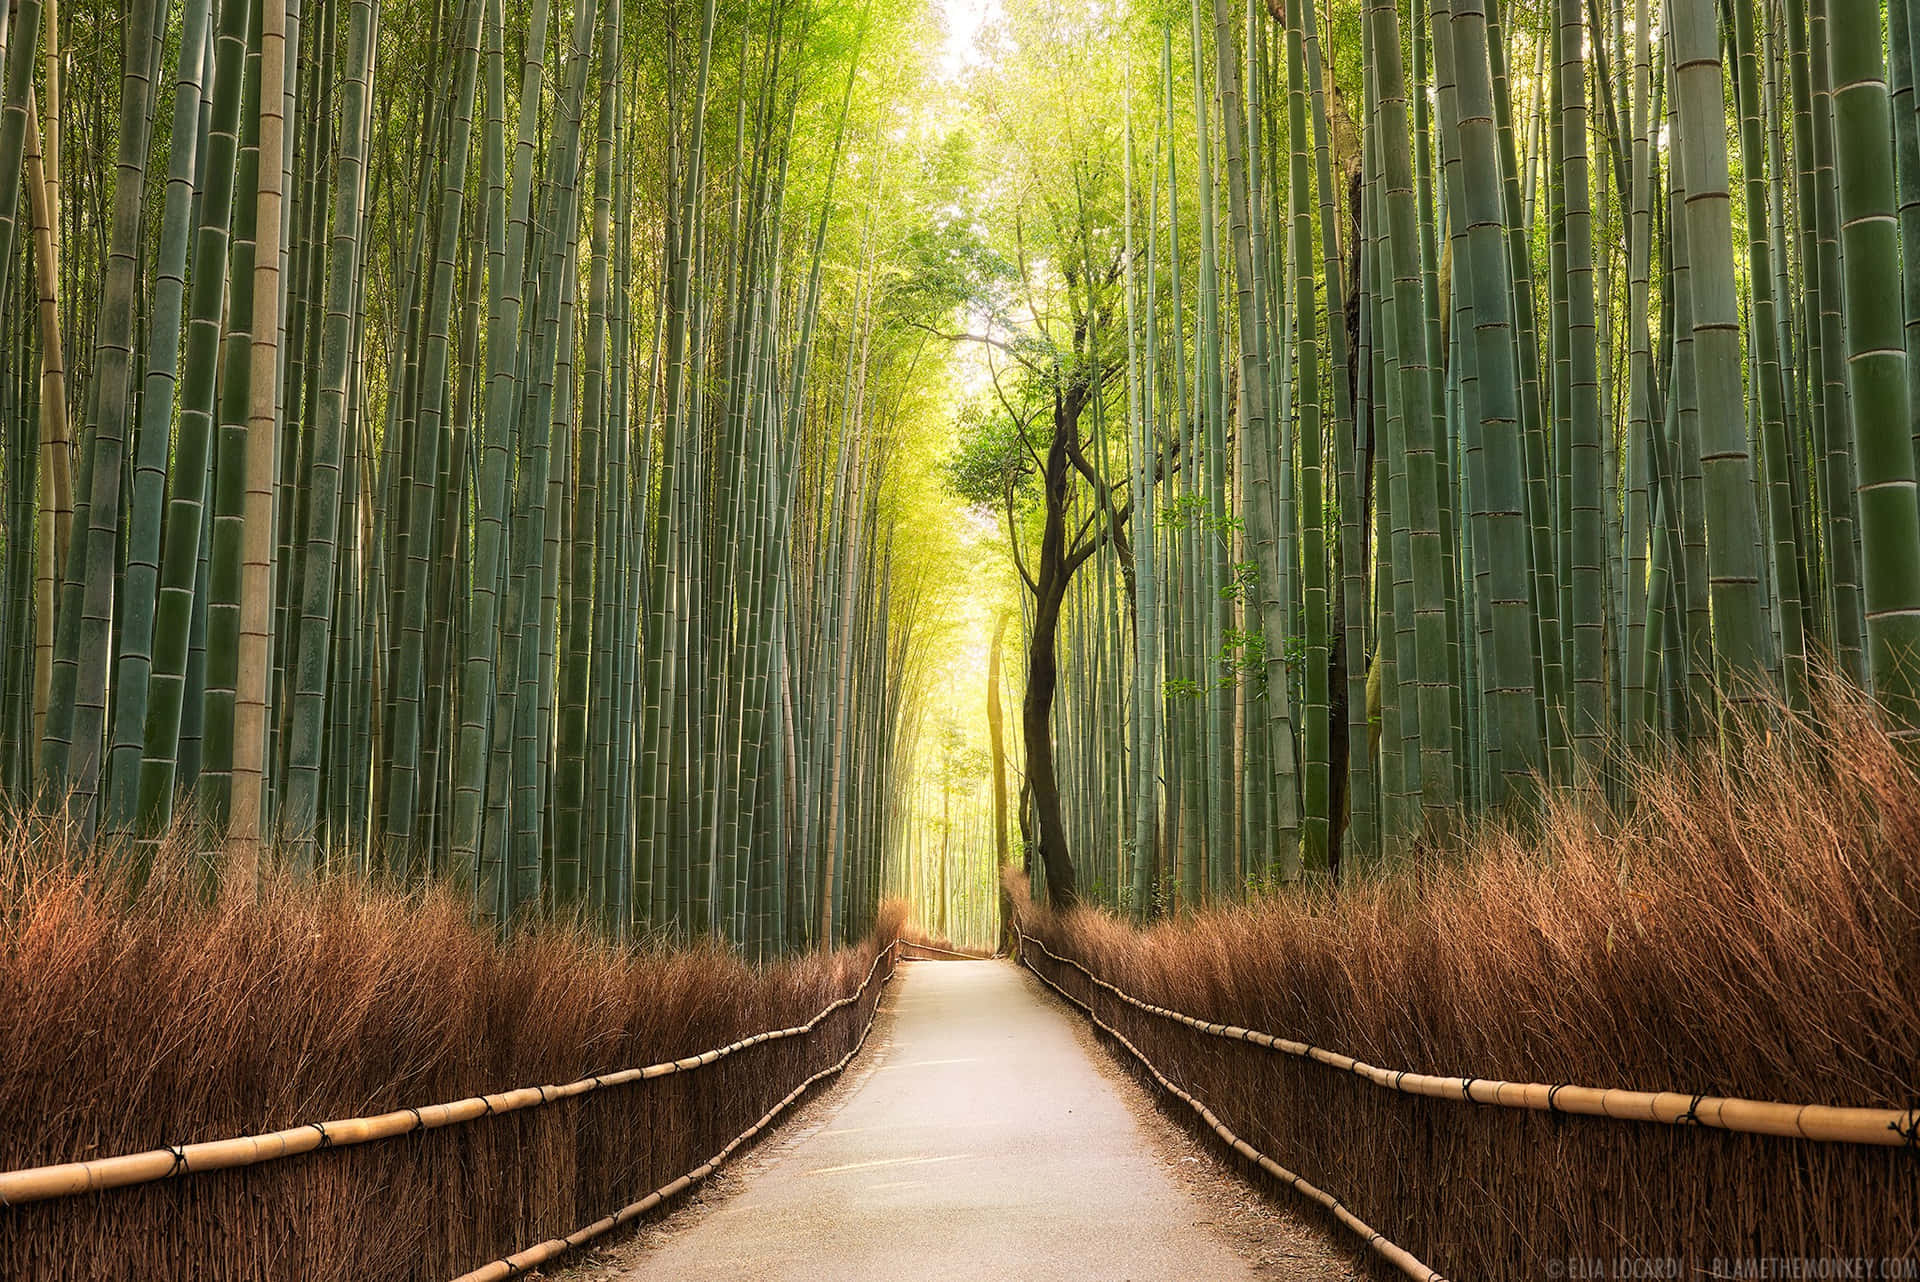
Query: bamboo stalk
x=56 y=452
x=251 y=825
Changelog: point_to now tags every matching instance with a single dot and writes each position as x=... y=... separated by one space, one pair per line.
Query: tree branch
x=1080 y=554
x=967 y=337
x=1013 y=541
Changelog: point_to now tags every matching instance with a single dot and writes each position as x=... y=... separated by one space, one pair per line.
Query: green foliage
x=989 y=461
x=944 y=259
x=1243 y=582
x=960 y=764
x=1243 y=653
x=1193 y=511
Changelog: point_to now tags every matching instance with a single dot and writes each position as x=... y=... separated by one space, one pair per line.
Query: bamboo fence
x=1392 y=1252
x=951 y=952
x=71 y=1179
x=1888 y=1127
x=540 y=1253
x=1662 y=1199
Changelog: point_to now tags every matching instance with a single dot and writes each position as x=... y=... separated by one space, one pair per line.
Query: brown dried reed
x=1750 y=927
x=914 y=937
x=132 y=1019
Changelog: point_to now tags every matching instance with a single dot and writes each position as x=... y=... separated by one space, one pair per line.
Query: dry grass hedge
x=1750 y=927
x=134 y=1020
x=913 y=935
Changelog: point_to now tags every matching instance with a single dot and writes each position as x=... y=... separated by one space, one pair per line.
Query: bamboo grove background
x=958 y=835
x=466 y=440
x=460 y=438
x=1475 y=396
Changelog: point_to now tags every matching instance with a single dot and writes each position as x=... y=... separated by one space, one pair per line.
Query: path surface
x=984 y=1144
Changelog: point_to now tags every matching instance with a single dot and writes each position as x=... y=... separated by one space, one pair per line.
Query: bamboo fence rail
x=69 y=1179
x=1884 y=1127
x=951 y=952
x=533 y=1256
x=1392 y=1252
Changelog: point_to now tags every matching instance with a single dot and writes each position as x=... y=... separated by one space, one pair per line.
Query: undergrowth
x=1748 y=926
x=137 y=1018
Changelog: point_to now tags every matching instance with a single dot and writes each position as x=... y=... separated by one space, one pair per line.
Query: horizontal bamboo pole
x=1885 y=1127
x=70 y=1179
x=540 y=1253
x=935 y=948
x=1392 y=1252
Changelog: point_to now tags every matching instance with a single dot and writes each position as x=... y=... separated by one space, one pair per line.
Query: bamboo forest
x=543 y=537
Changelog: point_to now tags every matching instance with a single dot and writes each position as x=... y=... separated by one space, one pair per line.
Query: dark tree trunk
x=1047 y=577
x=996 y=726
x=1338 y=736
x=1339 y=742
x=1051 y=574
x=1028 y=842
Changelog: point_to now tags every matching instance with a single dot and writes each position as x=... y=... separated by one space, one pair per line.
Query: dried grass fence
x=1748 y=934
x=919 y=943
x=149 y=1020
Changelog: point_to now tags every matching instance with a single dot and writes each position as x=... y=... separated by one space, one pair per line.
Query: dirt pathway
x=984 y=1143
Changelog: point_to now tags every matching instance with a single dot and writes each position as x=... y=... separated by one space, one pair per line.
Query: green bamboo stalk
x=314 y=641
x=182 y=601
x=1742 y=635
x=1587 y=594
x=1512 y=693
x=135 y=656
x=1876 y=358
x=1305 y=789
x=94 y=555
x=1769 y=394
x=1834 y=429
x=403 y=789
x=1433 y=640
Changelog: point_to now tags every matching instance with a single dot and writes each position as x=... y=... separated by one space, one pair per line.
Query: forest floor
x=983 y=1133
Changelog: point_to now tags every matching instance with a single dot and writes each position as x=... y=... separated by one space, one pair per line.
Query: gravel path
x=985 y=1141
